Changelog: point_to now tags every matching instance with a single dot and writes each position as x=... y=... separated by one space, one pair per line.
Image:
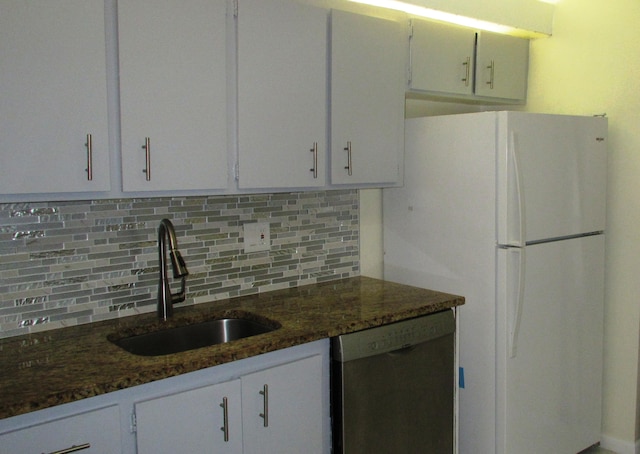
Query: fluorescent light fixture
x=451 y=18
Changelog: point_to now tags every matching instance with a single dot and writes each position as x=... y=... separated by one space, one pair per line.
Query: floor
x=597 y=450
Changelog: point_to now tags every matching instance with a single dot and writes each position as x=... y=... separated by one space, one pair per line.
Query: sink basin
x=189 y=337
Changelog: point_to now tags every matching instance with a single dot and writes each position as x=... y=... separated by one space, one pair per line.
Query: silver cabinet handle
x=89 y=168
x=74 y=448
x=314 y=169
x=467 y=65
x=265 y=405
x=225 y=416
x=147 y=158
x=348 y=167
x=491 y=69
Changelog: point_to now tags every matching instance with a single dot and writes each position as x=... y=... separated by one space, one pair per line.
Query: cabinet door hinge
x=235 y=8
x=134 y=423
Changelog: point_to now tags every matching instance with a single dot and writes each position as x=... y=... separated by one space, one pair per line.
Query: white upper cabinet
x=451 y=61
x=502 y=64
x=367 y=98
x=441 y=58
x=53 y=97
x=282 y=101
x=173 y=94
x=269 y=87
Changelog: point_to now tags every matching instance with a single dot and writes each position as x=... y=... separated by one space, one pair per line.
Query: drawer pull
x=491 y=68
x=467 y=65
x=349 y=166
x=225 y=416
x=147 y=158
x=89 y=168
x=265 y=404
x=74 y=448
x=314 y=169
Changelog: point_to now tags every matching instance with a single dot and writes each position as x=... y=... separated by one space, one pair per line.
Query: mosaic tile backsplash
x=67 y=263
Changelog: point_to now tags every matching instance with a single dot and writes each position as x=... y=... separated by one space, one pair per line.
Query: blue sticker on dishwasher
x=461 y=377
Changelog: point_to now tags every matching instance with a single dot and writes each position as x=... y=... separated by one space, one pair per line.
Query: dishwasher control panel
x=392 y=337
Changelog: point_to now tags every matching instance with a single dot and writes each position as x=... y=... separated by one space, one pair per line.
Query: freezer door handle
x=516 y=201
x=515 y=294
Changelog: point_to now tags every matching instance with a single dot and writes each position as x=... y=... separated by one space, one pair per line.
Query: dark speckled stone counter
x=59 y=366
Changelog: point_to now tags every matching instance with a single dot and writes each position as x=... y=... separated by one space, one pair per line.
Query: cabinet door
x=282 y=408
x=441 y=58
x=282 y=73
x=202 y=420
x=501 y=66
x=53 y=95
x=367 y=98
x=173 y=96
x=96 y=432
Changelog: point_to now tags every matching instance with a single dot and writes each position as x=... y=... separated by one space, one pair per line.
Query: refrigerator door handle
x=516 y=195
x=515 y=296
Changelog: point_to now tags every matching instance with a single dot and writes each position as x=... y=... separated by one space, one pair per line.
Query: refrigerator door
x=549 y=392
x=551 y=175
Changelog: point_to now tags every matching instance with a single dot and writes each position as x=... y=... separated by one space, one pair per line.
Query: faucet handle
x=182 y=295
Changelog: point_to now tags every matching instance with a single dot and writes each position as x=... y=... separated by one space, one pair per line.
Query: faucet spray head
x=178 y=265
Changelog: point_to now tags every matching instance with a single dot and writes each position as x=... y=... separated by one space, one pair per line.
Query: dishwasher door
x=393 y=388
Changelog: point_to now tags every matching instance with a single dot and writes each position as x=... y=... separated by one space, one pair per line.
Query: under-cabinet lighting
x=422 y=11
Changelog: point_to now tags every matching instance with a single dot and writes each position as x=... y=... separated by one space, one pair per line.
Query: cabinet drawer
x=96 y=431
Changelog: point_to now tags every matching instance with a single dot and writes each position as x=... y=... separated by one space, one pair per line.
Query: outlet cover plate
x=257 y=237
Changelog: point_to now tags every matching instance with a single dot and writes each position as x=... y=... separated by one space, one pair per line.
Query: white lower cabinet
x=96 y=431
x=192 y=421
x=282 y=408
x=276 y=410
x=273 y=403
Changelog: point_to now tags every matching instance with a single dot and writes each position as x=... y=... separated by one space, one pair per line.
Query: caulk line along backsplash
x=67 y=263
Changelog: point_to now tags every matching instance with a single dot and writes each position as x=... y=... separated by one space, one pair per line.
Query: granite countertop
x=58 y=366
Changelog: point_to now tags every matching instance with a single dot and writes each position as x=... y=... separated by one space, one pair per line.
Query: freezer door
x=551 y=176
x=549 y=383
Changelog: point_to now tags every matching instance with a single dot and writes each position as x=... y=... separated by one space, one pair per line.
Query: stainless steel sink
x=189 y=337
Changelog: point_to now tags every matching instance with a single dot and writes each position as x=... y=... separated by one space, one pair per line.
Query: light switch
x=257 y=237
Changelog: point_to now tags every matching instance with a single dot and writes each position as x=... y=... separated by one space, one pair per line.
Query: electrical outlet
x=257 y=237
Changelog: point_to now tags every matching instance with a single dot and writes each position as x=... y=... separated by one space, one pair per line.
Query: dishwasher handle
x=402 y=351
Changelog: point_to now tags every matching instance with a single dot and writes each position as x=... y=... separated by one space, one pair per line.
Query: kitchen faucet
x=165 y=298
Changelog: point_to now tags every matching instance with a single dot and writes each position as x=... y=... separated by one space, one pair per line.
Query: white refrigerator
x=508 y=210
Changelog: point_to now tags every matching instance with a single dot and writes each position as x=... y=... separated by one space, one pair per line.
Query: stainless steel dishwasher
x=393 y=388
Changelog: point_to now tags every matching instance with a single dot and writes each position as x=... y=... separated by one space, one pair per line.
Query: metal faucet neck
x=165 y=298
